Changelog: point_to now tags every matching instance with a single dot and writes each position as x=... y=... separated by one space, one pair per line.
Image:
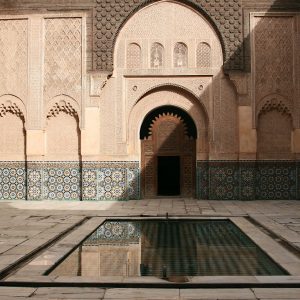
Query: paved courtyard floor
x=28 y=229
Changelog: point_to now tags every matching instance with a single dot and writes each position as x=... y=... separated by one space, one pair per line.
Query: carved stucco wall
x=130 y=82
x=273 y=53
x=14 y=57
x=42 y=59
x=159 y=23
x=275 y=75
x=225 y=16
x=224 y=136
x=63 y=58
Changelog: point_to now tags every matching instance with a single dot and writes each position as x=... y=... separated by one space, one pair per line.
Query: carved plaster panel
x=225 y=16
x=14 y=57
x=225 y=120
x=240 y=81
x=273 y=44
x=180 y=40
x=198 y=86
x=63 y=58
x=98 y=82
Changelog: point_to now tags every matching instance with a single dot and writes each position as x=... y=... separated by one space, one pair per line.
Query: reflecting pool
x=165 y=248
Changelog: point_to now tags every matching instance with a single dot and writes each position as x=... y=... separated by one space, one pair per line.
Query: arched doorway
x=168 y=153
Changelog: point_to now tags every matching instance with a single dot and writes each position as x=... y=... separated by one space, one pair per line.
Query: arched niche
x=157 y=56
x=133 y=56
x=274 y=128
x=203 y=55
x=12 y=128
x=62 y=130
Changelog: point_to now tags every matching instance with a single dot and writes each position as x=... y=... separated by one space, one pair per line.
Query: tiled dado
x=12 y=180
x=69 y=180
x=110 y=181
x=53 y=181
x=248 y=180
x=100 y=181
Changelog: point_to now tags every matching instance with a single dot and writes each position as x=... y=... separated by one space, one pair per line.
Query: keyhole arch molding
x=168 y=96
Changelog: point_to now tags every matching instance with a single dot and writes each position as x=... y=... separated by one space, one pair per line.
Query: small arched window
x=180 y=55
x=203 y=55
x=157 y=55
x=134 y=56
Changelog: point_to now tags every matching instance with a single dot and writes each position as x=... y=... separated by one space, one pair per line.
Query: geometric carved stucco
x=13 y=108
x=193 y=30
x=62 y=104
x=134 y=56
x=274 y=102
x=14 y=57
x=225 y=16
x=58 y=108
x=225 y=122
x=274 y=58
x=203 y=55
x=198 y=87
x=240 y=81
x=63 y=58
x=180 y=42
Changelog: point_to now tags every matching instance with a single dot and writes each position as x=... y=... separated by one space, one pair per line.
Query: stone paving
x=25 y=227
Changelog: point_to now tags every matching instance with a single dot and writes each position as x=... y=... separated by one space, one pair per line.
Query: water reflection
x=167 y=248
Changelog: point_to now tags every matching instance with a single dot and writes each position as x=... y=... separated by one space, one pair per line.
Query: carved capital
x=240 y=81
x=97 y=83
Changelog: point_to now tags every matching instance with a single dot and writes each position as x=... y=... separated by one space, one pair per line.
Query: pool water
x=164 y=248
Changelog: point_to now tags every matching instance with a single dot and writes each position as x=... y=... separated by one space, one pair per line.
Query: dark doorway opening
x=168 y=175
